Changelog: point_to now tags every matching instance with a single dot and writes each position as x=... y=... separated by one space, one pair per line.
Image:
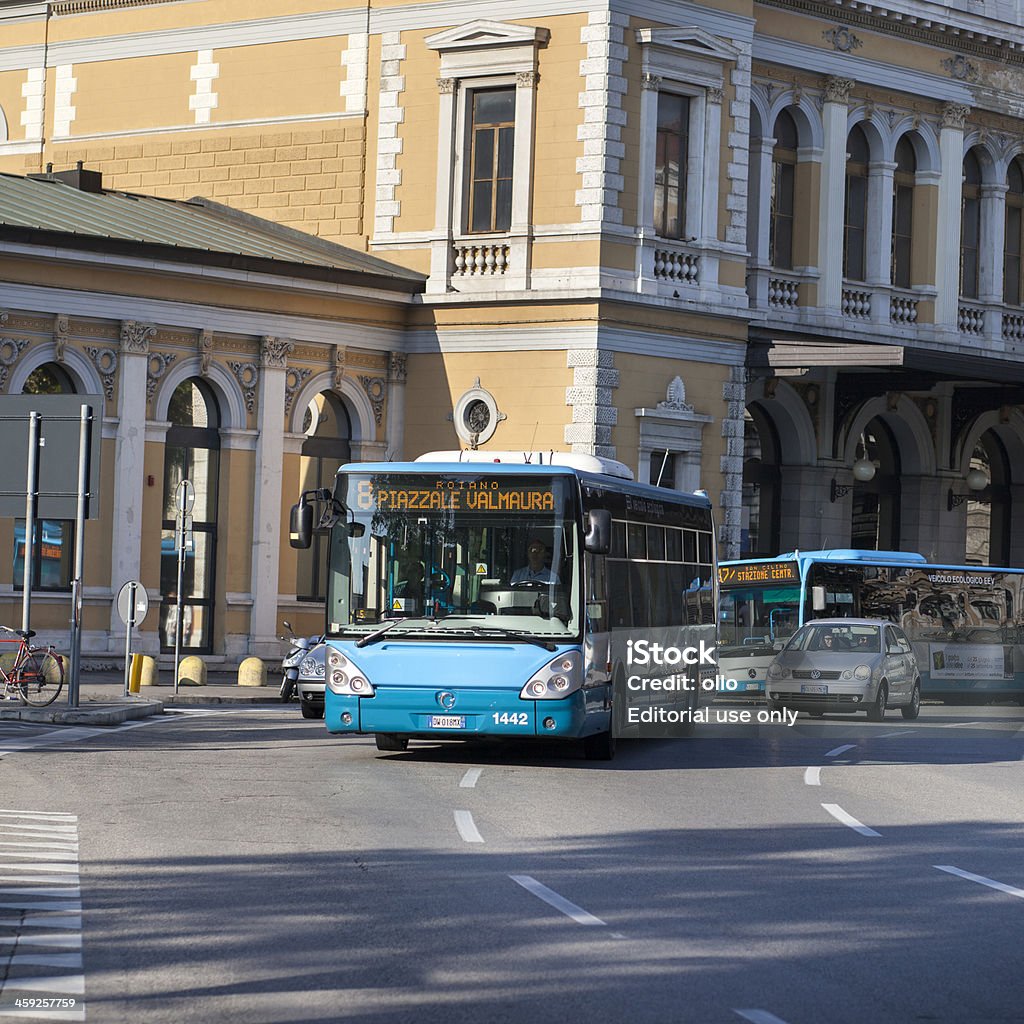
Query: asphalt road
x=242 y=865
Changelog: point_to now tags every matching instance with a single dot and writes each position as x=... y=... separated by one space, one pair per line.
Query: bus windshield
x=751 y=617
x=464 y=553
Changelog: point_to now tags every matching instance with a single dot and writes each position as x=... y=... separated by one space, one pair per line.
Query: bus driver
x=535 y=571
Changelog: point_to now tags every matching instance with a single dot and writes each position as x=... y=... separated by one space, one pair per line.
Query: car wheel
x=311 y=710
x=877 y=710
x=391 y=743
x=600 y=746
x=913 y=709
x=775 y=705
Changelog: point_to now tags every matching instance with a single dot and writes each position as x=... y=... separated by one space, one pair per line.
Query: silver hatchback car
x=846 y=665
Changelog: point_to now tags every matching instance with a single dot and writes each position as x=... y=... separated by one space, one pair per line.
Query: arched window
x=970 y=227
x=780 y=237
x=327 y=429
x=903 y=212
x=876 y=503
x=856 y=217
x=988 y=510
x=759 y=531
x=1012 y=245
x=191 y=452
x=53 y=543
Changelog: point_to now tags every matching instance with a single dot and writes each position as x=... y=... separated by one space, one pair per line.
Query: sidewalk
x=101 y=701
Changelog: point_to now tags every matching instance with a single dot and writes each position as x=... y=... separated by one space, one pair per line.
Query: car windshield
x=827 y=637
x=466 y=555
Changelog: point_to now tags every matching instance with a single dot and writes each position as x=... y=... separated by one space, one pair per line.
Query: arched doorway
x=327 y=446
x=54 y=539
x=875 y=522
x=988 y=508
x=191 y=452
x=759 y=532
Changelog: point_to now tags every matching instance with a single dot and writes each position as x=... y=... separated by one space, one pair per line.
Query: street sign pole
x=128 y=635
x=132 y=605
x=31 y=504
x=77 y=590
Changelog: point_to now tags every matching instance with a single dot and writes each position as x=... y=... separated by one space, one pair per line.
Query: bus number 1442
x=510 y=718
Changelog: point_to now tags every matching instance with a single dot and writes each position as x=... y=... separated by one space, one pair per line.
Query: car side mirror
x=598 y=538
x=778 y=645
x=300 y=534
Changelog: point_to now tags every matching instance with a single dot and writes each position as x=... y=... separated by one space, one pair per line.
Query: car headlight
x=312 y=667
x=345 y=678
x=862 y=672
x=557 y=679
x=777 y=671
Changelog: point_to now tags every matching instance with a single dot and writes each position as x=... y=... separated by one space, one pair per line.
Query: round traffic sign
x=185 y=497
x=132 y=591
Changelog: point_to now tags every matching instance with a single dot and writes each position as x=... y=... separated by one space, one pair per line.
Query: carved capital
x=526 y=79
x=446 y=86
x=652 y=82
x=205 y=345
x=60 y=334
x=274 y=352
x=135 y=337
x=396 y=368
x=340 y=353
x=837 y=90
x=954 y=115
x=715 y=95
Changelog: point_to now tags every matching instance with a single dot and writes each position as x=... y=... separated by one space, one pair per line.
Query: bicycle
x=37 y=675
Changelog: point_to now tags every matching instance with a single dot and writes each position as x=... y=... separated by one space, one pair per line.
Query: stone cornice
x=921 y=28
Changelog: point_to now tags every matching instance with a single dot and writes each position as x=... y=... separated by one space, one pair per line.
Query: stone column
x=396 y=405
x=808 y=519
x=649 y=86
x=267 y=504
x=518 y=273
x=833 y=193
x=129 y=462
x=878 y=264
x=947 y=249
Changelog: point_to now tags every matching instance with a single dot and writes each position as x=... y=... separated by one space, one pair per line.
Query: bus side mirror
x=356 y=529
x=818 y=598
x=598 y=538
x=301 y=525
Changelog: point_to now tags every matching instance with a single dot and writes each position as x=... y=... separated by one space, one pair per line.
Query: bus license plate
x=447 y=721
x=806 y=688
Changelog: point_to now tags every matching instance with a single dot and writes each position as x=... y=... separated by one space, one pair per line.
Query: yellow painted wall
x=418 y=132
x=12 y=103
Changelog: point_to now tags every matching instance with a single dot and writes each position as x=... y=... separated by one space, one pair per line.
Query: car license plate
x=807 y=688
x=447 y=721
x=753 y=686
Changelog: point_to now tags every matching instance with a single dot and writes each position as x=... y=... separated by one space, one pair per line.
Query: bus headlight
x=862 y=672
x=557 y=679
x=346 y=678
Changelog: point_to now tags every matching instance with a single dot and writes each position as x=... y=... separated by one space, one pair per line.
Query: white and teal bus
x=493 y=593
x=966 y=622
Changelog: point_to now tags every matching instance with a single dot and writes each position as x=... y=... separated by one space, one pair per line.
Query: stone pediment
x=688 y=39
x=476 y=35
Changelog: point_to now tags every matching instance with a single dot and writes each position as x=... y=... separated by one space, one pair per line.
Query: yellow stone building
x=748 y=247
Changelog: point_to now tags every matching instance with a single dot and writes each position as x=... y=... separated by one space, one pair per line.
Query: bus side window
x=619 y=608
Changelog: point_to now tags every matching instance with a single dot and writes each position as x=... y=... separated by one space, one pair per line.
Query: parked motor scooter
x=300 y=645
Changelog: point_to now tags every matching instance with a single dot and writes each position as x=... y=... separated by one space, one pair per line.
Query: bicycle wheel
x=39 y=678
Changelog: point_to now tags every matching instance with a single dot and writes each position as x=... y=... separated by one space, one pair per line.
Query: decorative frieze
x=105 y=360
x=295 y=377
x=374 y=388
x=248 y=376
x=60 y=335
x=842 y=39
x=10 y=353
x=960 y=68
x=156 y=366
x=205 y=345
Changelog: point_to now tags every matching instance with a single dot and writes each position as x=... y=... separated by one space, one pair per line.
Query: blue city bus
x=966 y=622
x=492 y=594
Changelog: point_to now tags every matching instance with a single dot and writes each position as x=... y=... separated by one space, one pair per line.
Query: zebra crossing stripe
x=40 y=912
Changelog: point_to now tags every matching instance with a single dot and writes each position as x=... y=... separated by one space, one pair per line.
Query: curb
x=108 y=714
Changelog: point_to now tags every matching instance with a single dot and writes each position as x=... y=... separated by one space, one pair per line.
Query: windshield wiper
x=514 y=633
x=370 y=637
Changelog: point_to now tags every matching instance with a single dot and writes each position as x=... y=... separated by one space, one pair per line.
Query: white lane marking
x=899 y=732
x=549 y=896
x=59 y=832
x=958 y=725
x=467 y=827
x=469 y=780
x=69 y=890
x=48 y=921
x=73 y=905
x=55 y=816
x=841 y=750
x=44 y=866
x=812 y=776
x=54 y=855
x=58 y=939
x=67 y=984
x=65 y=880
x=981 y=880
x=759 y=1017
x=848 y=819
x=26 y=844
x=46 y=960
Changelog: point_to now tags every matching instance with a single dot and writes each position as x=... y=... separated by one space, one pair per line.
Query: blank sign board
x=58 y=459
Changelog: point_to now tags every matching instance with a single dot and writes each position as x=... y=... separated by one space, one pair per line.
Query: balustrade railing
x=856 y=304
x=676 y=266
x=485 y=259
x=783 y=293
x=903 y=309
x=1013 y=326
x=971 y=320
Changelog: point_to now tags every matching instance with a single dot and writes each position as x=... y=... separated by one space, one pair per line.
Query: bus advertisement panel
x=965 y=622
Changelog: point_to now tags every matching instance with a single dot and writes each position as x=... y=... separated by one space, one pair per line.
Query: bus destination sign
x=746 y=573
x=476 y=495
